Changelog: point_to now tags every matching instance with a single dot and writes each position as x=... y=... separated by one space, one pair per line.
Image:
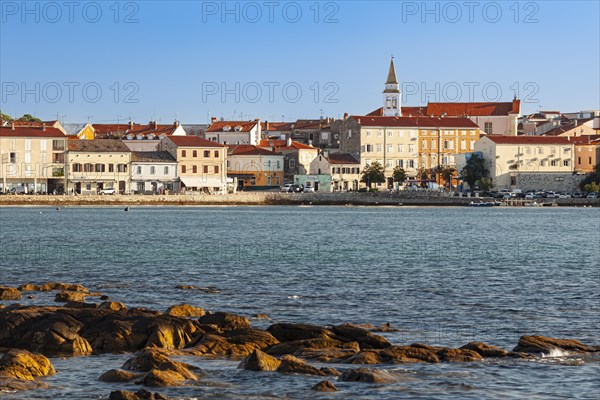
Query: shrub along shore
x=267 y=198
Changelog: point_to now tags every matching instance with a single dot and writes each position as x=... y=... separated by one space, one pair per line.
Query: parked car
x=309 y=189
x=107 y=191
x=564 y=196
x=577 y=195
x=18 y=190
x=593 y=195
x=296 y=188
x=551 y=195
x=530 y=196
x=286 y=188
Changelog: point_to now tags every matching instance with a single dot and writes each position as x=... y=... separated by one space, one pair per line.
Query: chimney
x=154 y=124
x=345 y=115
x=176 y=123
x=43 y=126
x=213 y=119
x=288 y=142
x=130 y=124
x=12 y=125
x=266 y=125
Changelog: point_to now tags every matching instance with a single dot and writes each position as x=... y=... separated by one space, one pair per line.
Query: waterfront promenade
x=267 y=198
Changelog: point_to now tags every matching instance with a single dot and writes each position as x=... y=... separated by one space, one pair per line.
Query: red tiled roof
x=250 y=150
x=28 y=131
x=193 y=141
x=523 y=139
x=473 y=109
x=282 y=144
x=98 y=146
x=342 y=158
x=415 y=122
x=277 y=126
x=566 y=127
x=246 y=126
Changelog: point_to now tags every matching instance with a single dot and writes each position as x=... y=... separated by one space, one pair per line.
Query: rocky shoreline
x=76 y=326
x=266 y=198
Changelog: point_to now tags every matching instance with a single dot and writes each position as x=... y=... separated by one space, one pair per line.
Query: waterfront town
x=394 y=147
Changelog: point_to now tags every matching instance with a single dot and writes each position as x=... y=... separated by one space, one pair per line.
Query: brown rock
x=542 y=344
x=9 y=293
x=324 y=386
x=459 y=355
x=70 y=296
x=112 y=306
x=394 y=355
x=23 y=365
x=365 y=339
x=187 y=287
x=260 y=361
x=292 y=365
x=117 y=375
x=236 y=343
x=30 y=297
x=157 y=377
x=80 y=304
x=367 y=375
x=297 y=346
x=325 y=355
x=291 y=332
x=365 y=357
x=149 y=360
x=225 y=321
x=141 y=394
x=50 y=286
x=185 y=310
x=485 y=350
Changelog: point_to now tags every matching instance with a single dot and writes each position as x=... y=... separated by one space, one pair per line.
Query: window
x=590 y=160
x=292 y=163
x=423 y=144
x=183 y=153
x=463 y=144
x=121 y=167
x=411 y=148
x=579 y=160
x=27 y=144
x=206 y=153
x=411 y=163
x=195 y=169
x=368 y=133
x=43 y=145
x=206 y=169
x=27 y=158
x=433 y=144
x=390 y=148
x=216 y=153
x=216 y=169
x=527 y=150
x=487 y=127
x=88 y=186
x=166 y=170
x=88 y=167
x=553 y=163
x=472 y=144
x=58 y=144
x=13 y=158
x=76 y=167
x=540 y=150
x=152 y=170
x=400 y=148
x=369 y=148
x=379 y=133
x=552 y=150
x=58 y=157
x=195 y=153
x=543 y=163
x=367 y=162
x=388 y=164
x=183 y=169
x=111 y=167
x=400 y=163
x=390 y=133
x=567 y=163
x=139 y=169
x=379 y=148
x=99 y=168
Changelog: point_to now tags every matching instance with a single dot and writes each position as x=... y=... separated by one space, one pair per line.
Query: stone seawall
x=262 y=198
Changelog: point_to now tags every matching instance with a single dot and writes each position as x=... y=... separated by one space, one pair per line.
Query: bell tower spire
x=391 y=94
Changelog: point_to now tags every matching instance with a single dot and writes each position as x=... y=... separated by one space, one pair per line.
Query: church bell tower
x=391 y=94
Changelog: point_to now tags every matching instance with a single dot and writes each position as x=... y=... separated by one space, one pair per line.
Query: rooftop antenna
x=282 y=118
x=89 y=117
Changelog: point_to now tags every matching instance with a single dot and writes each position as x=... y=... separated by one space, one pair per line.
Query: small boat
x=534 y=204
x=482 y=204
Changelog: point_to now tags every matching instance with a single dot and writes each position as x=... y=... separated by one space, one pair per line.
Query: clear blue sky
x=174 y=58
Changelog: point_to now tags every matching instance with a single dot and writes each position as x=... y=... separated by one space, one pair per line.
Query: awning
x=199 y=182
x=240 y=176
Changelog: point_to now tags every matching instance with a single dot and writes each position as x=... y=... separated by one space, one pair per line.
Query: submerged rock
x=459 y=355
x=51 y=286
x=9 y=293
x=292 y=365
x=141 y=394
x=485 y=350
x=67 y=295
x=542 y=344
x=117 y=375
x=324 y=386
x=367 y=375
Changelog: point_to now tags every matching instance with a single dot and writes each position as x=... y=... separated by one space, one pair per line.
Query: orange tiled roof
x=193 y=141
x=474 y=109
x=342 y=158
x=533 y=140
x=248 y=149
x=30 y=131
x=415 y=122
x=245 y=126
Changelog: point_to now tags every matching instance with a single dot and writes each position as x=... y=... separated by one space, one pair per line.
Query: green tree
x=29 y=118
x=474 y=170
x=485 y=184
x=591 y=178
x=373 y=173
x=5 y=117
x=399 y=175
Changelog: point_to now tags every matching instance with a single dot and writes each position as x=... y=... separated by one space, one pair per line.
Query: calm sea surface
x=442 y=276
